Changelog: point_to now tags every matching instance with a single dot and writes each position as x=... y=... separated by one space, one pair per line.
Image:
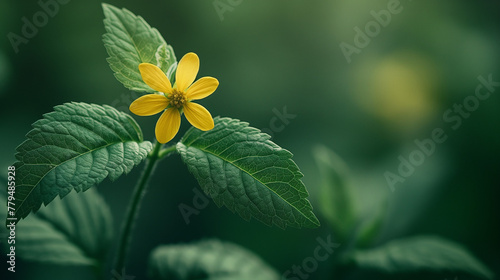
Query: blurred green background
x=269 y=55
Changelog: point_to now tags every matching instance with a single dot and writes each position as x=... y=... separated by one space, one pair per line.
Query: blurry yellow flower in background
x=401 y=89
x=175 y=100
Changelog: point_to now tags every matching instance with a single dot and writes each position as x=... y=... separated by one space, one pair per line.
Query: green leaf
x=336 y=201
x=208 y=260
x=419 y=254
x=370 y=227
x=74 y=231
x=130 y=41
x=239 y=167
x=75 y=147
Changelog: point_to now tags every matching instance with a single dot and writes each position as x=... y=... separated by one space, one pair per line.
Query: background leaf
x=421 y=253
x=208 y=260
x=74 y=231
x=239 y=167
x=129 y=41
x=75 y=147
x=336 y=200
x=370 y=226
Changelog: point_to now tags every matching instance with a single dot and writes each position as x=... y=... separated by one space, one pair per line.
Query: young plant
x=78 y=145
x=357 y=224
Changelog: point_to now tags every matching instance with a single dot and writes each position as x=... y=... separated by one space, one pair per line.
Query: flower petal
x=187 y=71
x=155 y=78
x=198 y=116
x=168 y=125
x=149 y=104
x=202 y=88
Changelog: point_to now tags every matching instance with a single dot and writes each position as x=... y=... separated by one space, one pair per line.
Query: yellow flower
x=175 y=100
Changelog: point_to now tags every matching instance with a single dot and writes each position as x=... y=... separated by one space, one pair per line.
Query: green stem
x=165 y=152
x=133 y=208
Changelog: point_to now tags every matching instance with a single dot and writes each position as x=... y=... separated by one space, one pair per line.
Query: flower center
x=177 y=98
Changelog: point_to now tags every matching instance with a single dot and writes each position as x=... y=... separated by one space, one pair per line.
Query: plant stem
x=165 y=152
x=133 y=208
